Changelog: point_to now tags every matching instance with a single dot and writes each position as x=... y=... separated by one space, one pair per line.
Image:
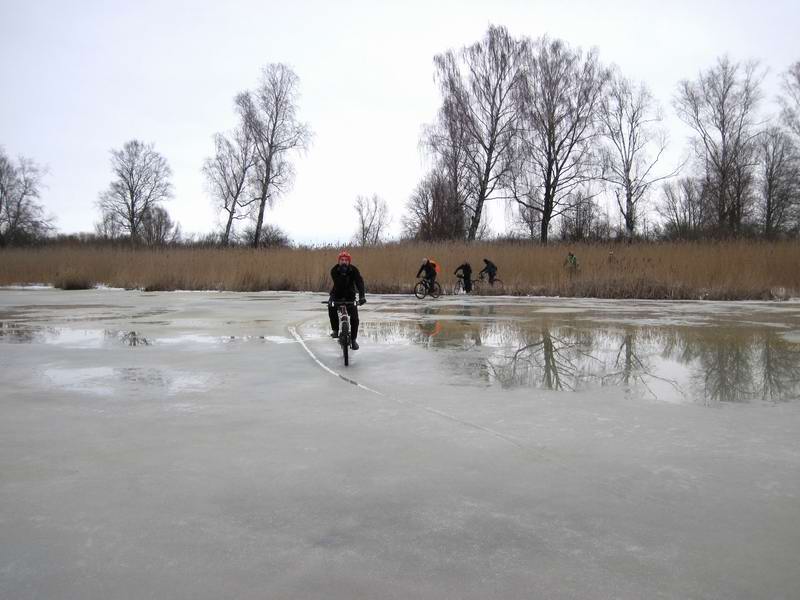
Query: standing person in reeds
x=466 y=275
x=430 y=268
x=346 y=281
x=571 y=264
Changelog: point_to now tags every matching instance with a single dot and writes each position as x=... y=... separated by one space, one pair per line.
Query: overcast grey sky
x=82 y=77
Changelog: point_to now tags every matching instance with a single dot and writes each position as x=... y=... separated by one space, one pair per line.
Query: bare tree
x=682 y=207
x=270 y=116
x=720 y=107
x=583 y=220
x=791 y=102
x=108 y=227
x=526 y=220
x=433 y=212
x=478 y=119
x=559 y=104
x=158 y=228
x=270 y=236
x=22 y=216
x=141 y=182
x=779 y=180
x=373 y=220
x=226 y=173
x=635 y=141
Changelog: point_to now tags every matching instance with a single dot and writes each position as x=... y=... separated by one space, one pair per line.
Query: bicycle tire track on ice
x=439 y=413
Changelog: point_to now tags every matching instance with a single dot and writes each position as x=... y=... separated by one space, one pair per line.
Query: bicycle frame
x=344 y=326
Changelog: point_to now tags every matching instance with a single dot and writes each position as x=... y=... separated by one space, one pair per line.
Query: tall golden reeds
x=713 y=270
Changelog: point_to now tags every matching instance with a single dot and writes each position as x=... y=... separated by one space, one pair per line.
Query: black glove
x=362 y=301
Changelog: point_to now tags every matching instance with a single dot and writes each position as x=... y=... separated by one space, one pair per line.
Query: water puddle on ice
x=104 y=381
x=730 y=361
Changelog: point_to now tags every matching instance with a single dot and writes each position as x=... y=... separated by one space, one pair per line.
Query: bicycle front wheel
x=420 y=290
x=436 y=291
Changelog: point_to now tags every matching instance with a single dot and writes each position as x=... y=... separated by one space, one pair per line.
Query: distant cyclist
x=347 y=281
x=466 y=275
x=490 y=269
x=430 y=269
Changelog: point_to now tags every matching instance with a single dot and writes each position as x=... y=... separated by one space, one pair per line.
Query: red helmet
x=344 y=254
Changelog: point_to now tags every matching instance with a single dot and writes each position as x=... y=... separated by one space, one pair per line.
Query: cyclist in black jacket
x=490 y=269
x=466 y=274
x=346 y=282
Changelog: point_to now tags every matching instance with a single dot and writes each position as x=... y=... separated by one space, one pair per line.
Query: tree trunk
x=257 y=236
x=227 y=235
x=545 y=227
x=630 y=216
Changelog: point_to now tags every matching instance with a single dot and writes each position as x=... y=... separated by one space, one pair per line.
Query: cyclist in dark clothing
x=466 y=275
x=429 y=269
x=346 y=282
x=490 y=269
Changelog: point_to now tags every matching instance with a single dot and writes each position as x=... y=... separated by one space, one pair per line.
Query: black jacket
x=466 y=268
x=490 y=268
x=346 y=282
x=429 y=269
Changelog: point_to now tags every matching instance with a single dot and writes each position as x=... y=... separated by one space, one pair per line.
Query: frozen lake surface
x=187 y=445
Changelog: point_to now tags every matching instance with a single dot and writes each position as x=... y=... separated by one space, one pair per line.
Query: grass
x=710 y=270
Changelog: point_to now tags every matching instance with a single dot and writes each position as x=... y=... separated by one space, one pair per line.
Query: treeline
x=542 y=126
x=549 y=129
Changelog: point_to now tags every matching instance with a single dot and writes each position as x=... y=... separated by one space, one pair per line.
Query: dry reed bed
x=712 y=270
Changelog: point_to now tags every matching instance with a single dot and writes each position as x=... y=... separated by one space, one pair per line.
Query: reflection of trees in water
x=725 y=369
x=737 y=365
x=561 y=357
x=731 y=364
x=632 y=365
x=779 y=377
x=547 y=358
x=17 y=332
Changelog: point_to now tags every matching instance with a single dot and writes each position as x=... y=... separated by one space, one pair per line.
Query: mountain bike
x=344 y=326
x=423 y=288
x=458 y=288
x=495 y=282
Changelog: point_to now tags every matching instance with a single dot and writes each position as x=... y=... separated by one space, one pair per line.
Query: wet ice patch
x=94 y=380
x=277 y=339
x=190 y=338
x=792 y=336
x=76 y=338
x=106 y=381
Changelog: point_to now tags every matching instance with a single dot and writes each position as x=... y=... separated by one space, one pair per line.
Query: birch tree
x=270 y=116
x=226 y=174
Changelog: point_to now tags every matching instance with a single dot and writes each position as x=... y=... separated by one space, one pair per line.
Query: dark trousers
x=352 y=310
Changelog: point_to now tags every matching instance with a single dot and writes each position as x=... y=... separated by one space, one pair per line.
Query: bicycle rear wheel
x=420 y=290
x=436 y=290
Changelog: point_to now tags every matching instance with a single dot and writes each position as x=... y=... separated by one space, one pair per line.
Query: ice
x=493 y=448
